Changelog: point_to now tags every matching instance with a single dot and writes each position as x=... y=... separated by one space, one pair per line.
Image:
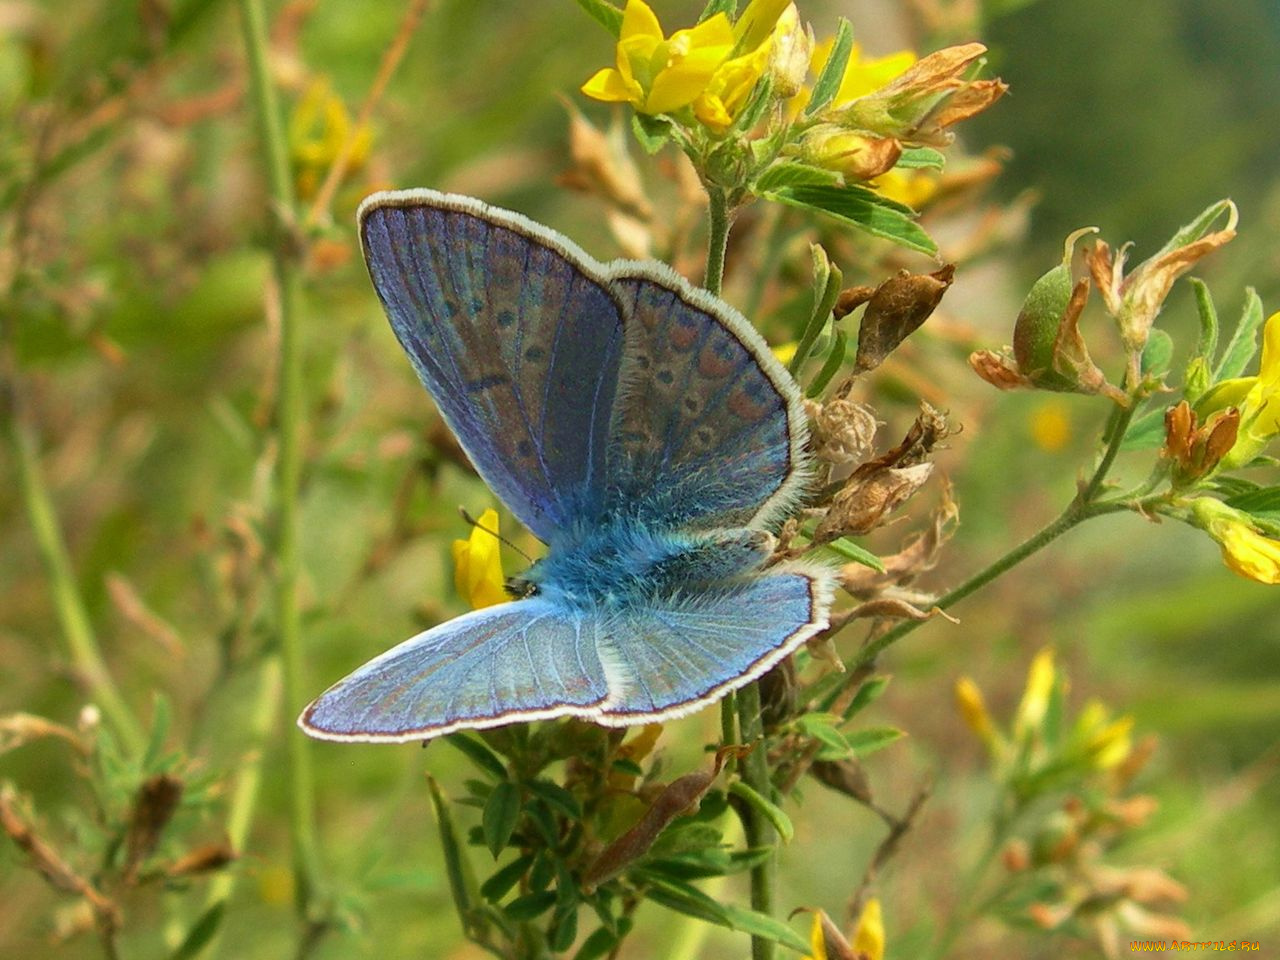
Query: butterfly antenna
x=494 y=533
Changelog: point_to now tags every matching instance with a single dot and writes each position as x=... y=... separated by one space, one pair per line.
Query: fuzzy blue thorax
x=625 y=562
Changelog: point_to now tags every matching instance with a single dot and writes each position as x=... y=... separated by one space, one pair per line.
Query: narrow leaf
x=456 y=867
x=597 y=945
x=1196 y=229
x=1158 y=353
x=828 y=83
x=858 y=554
x=867 y=694
x=821 y=726
x=727 y=7
x=1244 y=340
x=530 y=905
x=684 y=898
x=766 y=808
x=826 y=290
x=479 y=754
x=762 y=925
x=501 y=882
x=1208 y=344
x=605 y=14
x=558 y=797
x=867 y=742
x=788 y=173
x=201 y=933
x=915 y=158
x=160 y=714
x=1263 y=503
x=835 y=360
x=862 y=208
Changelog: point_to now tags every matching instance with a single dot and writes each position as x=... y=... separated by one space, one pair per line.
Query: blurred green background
x=145 y=361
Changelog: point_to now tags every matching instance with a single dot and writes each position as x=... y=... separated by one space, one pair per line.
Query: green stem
x=244 y=797
x=306 y=858
x=76 y=627
x=1085 y=506
x=759 y=832
x=719 y=220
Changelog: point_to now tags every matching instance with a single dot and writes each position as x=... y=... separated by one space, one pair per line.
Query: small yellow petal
x=611 y=86
x=817 y=942
x=477 y=571
x=638 y=20
x=868 y=939
x=865 y=76
x=756 y=24
x=1269 y=368
x=1250 y=554
x=973 y=709
x=1035 y=700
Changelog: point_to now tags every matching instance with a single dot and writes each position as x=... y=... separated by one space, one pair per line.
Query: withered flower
x=1195 y=448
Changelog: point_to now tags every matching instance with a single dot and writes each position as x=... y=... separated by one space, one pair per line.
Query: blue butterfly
x=639 y=427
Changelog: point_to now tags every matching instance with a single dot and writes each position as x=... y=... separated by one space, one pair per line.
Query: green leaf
x=530 y=905
x=1196 y=229
x=822 y=727
x=835 y=360
x=1158 y=353
x=479 y=754
x=543 y=872
x=564 y=929
x=683 y=898
x=828 y=82
x=862 y=208
x=598 y=945
x=866 y=742
x=827 y=279
x=1145 y=433
x=1208 y=313
x=1244 y=340
x=693 y=865
x=916 y=158
x=753 y=110
x=501 y=814
x=686 y=835
x=160 y=716
x=867 y=694
x=766 y=808
x=202 y=932
x=762 y=925
x=1263 y=503
x=604 y=13
x=789 y=173
x=728 y=7
x=652 y=132
x=501 y=882
x=855 y=552
x=558 y=797
x=458 y=870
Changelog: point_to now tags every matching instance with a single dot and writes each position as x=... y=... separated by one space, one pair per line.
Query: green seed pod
x=1035 y=335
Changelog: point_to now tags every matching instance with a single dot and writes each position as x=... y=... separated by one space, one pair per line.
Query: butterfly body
x=636 y=425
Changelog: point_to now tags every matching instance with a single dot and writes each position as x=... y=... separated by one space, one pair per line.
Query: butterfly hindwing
x=515 y=661
x=514 y=336
x=668 y=657
x=709 y=428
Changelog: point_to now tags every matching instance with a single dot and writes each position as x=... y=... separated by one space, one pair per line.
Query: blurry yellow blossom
x=275 y=885
x=477 y=564
x=1035 y=699
x=1050 y=426
x=1244 y=549
x=1106 y=743
x=318 y=128
x=657 y=74
x=785 y=351
x=1257 y=398
x=868 y=938
x=973 y=709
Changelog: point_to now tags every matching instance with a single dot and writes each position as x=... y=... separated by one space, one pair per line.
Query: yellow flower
x=868 y=938
x=477 y=564
x=1257 y=398
x=1244 y=549
x=656 y=74
x=973 y=709
x=785 y=351
x=915 y=188
x=1106 y=743
x=318 y=127
x=1050 y=426
x=1035 y=699
x=762 y=26
x=860 y=76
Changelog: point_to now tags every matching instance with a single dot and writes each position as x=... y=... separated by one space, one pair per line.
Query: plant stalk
x=719 y=220
x=759 y=832
x=289 y=416
x=76 y=626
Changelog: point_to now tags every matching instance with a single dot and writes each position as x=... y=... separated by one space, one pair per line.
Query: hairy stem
x=289 y=416
x=719 y=220
x=1083 y=507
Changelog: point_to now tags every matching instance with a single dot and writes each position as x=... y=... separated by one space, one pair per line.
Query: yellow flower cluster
x=1246 y=551
x=1257 y=398
x=712 y=67
x=1095 y=741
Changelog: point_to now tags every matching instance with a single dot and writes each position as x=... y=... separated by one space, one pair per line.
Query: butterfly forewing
x=519 y=347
